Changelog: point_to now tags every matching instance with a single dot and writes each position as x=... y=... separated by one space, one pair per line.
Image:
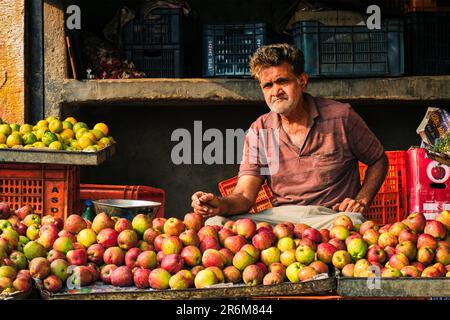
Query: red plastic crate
x=390 y=203
x=48 y=189
x=263 y=199
x=105 y=191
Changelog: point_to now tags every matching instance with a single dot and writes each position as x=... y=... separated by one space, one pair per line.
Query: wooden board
x=393 y=287
x=100 y=291
x=57 y=157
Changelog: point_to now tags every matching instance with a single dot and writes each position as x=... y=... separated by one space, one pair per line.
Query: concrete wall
x=12 y=61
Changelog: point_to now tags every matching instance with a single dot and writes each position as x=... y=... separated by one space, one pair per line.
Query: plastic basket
x=390 y=203
x=155 y=46
x=157 y=61
x=263 y=199
x=351 y=51
x=104 y=191
x=165 y=29
x=432 y=31
x=227 y=48
x=48 y=189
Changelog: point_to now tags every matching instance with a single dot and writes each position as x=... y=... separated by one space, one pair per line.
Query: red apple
x=425 y=255
x=299 y=228
x=312 y=234
x=416 y=222
x=131 y=257
x=282 y=230
x=367 y=225
x=77 y=257
x=114 y=255
x=436 y=229
x=107 y=237
x=252 y=275
x=407 y=235
x=172 y=263
x=74 y=224
x=191 y=256
x=105 y=272
x=376 y=254
x=426 y=240
x=122 y=224
x=325 y=252
x=194 y=221
x=343 y=220
x=122 y=277
x=95 y=253
x=174 y=227
x=140 y=278
x=245 y=228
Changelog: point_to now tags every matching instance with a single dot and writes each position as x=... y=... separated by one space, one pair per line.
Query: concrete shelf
x=246 y=91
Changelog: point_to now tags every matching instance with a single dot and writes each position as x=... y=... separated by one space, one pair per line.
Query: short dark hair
x=275 y=55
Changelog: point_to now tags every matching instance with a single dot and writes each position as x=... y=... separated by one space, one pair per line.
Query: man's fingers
x=207 y=197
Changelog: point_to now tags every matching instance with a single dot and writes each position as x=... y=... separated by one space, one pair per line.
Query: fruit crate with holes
x=227 y=48
x=390 y=203
x=351 y=51
x=155 y=45
x=105 y=191
x=50 y=189
x=263 y=199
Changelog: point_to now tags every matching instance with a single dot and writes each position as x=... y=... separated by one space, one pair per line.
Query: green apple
x=292 y=271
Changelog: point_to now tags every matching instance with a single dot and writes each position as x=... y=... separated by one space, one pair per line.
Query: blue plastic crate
x=351 y=51
x=157 y=61
x=165 y=29
x=227 y=48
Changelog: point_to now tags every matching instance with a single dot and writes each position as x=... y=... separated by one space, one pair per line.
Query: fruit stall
x=79 y=220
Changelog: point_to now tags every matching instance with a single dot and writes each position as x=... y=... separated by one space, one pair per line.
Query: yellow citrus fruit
x=2 y=138
x=5 y=129
x=14 y=127
x=14 y=139
x=98 y=134
x=39 y=144
x=79 y=125
x=91 y=136
x=111 y=139
x=49 y=137
x=56 y=145
x=40 y=132
x=3 y=146
x=70 y=149
x=74 y=144
x=51 y=118
x=28 y=146
x=90 y=149
x=67 y=125
x=29 y=138
x=42 y=124
x=102 y=127
x=25 y=128
x=105 y=141
x=55 y=126
x=80 y=132
x=84 y=142
x=67 y=134
x=72 y=120
x=17 y=146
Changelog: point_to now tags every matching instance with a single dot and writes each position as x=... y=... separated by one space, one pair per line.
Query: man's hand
x=351 y=205
x=207 y=204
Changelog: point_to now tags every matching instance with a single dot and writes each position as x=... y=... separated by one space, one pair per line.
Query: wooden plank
x=100 y=291
x=57 y=157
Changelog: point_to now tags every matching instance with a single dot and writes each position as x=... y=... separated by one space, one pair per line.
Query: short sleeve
x=362 y=141
x=253 y=154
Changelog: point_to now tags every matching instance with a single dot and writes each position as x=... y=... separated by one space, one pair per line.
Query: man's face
x=282 y=89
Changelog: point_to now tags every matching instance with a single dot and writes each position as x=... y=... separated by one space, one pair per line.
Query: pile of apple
x=413 y=247
x=171 y=253
x=15 y=233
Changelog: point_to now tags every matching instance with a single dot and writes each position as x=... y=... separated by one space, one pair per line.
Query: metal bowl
x=126 y=208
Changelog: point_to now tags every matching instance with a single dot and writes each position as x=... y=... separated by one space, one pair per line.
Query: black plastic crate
x=163 y=61
x=351 y=51
x=165 y=29
x=227 y=48
x=427 y=43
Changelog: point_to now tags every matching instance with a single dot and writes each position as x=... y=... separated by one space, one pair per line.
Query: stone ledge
x=213 y=91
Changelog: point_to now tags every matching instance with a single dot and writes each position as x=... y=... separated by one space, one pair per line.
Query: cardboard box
x=428 y=183
x=435 y=125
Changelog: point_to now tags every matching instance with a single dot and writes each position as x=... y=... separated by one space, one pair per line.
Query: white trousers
x=317 y=217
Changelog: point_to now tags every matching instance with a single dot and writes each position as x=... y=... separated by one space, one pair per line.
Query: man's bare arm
x=239 y=201
x=374 y=178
